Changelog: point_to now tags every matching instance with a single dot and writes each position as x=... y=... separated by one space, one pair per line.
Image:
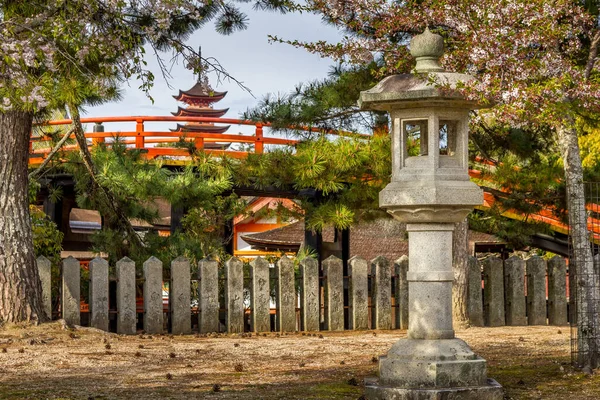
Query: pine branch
x=61 y=142
x=111 y=201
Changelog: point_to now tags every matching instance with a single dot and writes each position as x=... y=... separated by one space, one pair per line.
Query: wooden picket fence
x=370 y=295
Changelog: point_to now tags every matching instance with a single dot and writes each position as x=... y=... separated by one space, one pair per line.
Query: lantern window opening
x=415 y=133
x=448 y=135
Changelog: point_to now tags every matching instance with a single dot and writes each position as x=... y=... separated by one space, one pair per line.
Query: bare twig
x=213 y=63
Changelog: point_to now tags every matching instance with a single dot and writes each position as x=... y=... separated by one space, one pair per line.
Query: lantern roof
x=428 y=85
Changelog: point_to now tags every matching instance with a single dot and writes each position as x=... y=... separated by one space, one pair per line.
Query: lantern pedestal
x=431 y=361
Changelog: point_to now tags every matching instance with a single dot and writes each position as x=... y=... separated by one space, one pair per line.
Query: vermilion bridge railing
x=140 y=138
x=147 y=140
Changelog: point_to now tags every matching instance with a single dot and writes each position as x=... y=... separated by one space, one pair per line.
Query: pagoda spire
x=199 y=100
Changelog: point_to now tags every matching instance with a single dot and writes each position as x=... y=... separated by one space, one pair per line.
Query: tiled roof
x=384 y=236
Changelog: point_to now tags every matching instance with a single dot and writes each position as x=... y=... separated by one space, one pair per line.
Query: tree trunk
x=586 y=284
x=460 y=266
x=20 y=286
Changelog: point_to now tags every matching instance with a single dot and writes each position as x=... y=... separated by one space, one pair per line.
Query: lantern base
x=490 y=391
x=420 y=369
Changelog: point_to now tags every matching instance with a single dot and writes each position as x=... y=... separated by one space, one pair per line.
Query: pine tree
x=73 y=53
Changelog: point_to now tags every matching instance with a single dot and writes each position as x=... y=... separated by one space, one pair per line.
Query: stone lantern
x=430 y=190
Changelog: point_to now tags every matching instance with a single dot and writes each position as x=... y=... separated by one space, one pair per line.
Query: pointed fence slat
x=99 y=294
x=261 y=295
x=475 y=306
x=234 y=295
x=493 y=299
x=126 y=288
x=286 y=297
x=180 y=297
x=358 y=293
x=536 y=291
x=71 y=292
x=557 y=291
x=208 y=288
x=514 y=289
x=153 y=304
x=310 y=303
x=401 y=289
x=502 y=303
x=45 y=272
x=382 y=296
x=334 y=293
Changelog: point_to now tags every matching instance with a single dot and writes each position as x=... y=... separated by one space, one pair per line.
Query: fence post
x=381 y=294
x=71 y=291
x=180 y=301
x=153 y=302
x=208 y=296
x=126 y=307
x=358 y=293
x=261 y=295
x=45 y=272
x=334 y=293
x=99 y=294
x=475 y=305
x=311 y=306
x=234 y=295
x=514 y=286
x=286 y=298
x=493 y=293
x=536 y=290
x=401 y=269
x=557 y=291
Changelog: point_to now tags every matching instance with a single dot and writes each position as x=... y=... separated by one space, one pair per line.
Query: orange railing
x=141 y=138
x=146 y=140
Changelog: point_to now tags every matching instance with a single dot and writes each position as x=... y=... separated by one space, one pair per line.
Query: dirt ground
x=48 y=362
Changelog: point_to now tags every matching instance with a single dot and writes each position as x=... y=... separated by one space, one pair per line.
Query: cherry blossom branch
x=593 y=56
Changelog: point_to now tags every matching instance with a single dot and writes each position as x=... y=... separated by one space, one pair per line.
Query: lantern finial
x=427 y=48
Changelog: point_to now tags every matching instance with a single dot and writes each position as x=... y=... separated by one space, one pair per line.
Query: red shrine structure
x=199 y=100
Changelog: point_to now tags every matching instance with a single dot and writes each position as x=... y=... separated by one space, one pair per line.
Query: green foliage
x=350 y=172
x=516 y=233
x=526 y=180
x=326 y=104
x=589 y=144
x=526 y=143
x=202 y=188
x=47 y=239
x=47 y=242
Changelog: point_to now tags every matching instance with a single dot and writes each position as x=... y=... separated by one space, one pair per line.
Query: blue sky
x=246 y=55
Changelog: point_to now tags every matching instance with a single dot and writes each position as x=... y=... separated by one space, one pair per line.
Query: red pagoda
x=199 y=100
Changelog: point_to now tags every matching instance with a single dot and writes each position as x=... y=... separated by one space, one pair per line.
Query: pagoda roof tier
x=198 y=93
x=199 y=112
x=201 y=128
x=216 y=146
